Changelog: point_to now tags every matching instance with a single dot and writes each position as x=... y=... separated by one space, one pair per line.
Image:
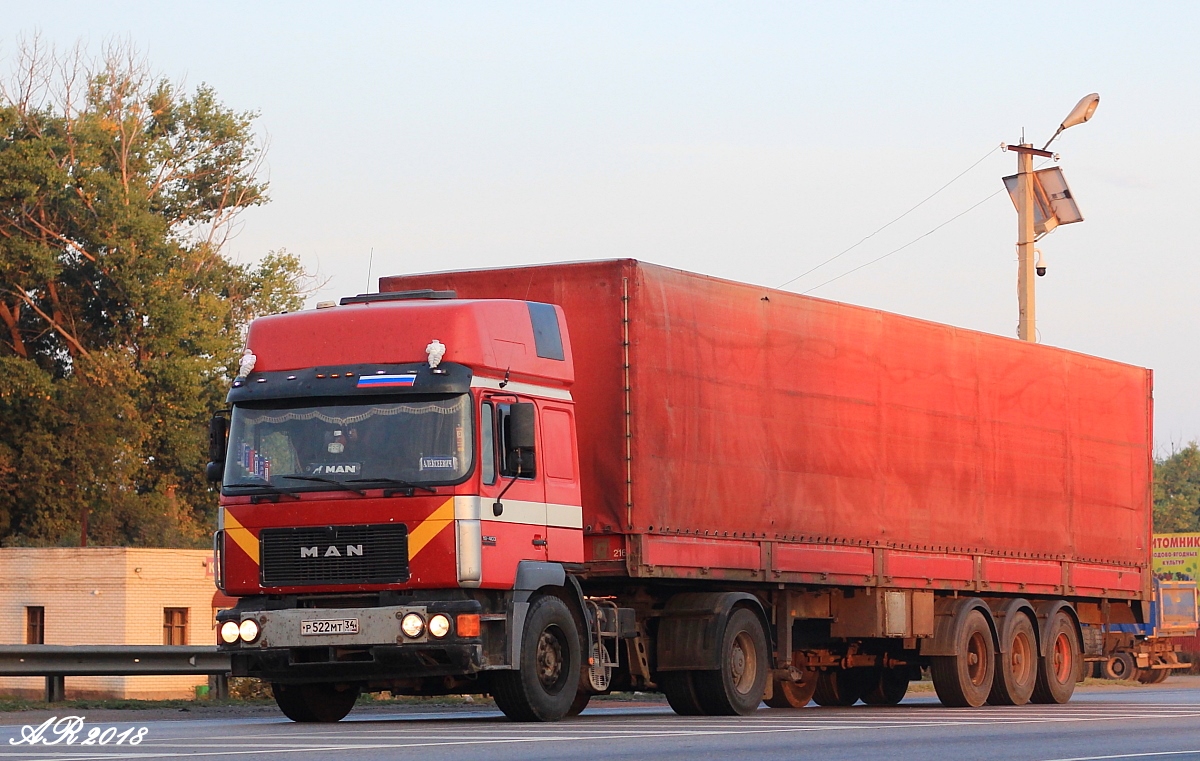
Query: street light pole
x=1027 y=222
x=1026 y=237
x=1026 y=304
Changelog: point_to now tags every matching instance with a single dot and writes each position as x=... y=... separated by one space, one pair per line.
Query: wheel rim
x=550 y=659
x=1117 y=667
x=1062 y=658
x=977 y=658
x=743 y=663
x=1021 y=658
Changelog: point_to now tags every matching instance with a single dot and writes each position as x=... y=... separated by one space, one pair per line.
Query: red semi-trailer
x=545 y=483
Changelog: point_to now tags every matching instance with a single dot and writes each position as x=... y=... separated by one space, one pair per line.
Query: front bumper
x=379 y=651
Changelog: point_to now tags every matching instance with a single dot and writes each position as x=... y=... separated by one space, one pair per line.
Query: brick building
x=107 y=596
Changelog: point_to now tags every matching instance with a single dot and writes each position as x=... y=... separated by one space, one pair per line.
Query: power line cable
x=906 y=245
x=894 y=221
x=911 y=242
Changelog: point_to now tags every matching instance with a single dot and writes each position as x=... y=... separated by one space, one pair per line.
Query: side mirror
x=520 y=429
x=218 y=429
x=521 y=439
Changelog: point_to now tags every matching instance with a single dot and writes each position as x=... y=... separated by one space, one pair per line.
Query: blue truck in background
x=1147 y=652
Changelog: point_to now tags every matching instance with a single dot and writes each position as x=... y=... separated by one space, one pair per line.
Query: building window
x=175 y=626
x=35 y=625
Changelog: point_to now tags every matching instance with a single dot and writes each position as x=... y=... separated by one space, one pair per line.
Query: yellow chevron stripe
x=427 y=529
x=242 y=536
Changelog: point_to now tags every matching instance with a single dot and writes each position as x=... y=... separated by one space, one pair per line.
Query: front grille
x=314 y=555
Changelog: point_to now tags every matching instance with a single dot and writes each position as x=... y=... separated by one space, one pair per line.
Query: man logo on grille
x=332 y=551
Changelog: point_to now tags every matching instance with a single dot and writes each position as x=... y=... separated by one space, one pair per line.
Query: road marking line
x=1131 y=755
x=578 y=738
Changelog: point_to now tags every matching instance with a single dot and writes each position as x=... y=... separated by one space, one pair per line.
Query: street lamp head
x=1081 y=113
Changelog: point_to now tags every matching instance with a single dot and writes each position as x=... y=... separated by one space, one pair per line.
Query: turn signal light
x=467 y=624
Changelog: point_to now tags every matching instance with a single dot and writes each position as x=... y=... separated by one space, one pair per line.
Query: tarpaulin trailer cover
x=771 y=433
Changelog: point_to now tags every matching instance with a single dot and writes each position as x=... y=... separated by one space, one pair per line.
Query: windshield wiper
x=264 y=486
x=331 y=481
x=392 y=482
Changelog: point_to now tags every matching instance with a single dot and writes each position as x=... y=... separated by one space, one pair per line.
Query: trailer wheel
x=1016 y=667
x=965 y=679
x=545 y=685
x=1059 y=670
x=887 y=687
x=788 y=694
x=681 y=692
x=838 y=687
x=1118 y=666
x=307 y=703
x=738 y=686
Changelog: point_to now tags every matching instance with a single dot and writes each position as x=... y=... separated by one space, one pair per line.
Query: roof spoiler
x=424 y=293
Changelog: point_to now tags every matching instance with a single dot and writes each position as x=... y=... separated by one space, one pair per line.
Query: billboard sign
x=1176 y=557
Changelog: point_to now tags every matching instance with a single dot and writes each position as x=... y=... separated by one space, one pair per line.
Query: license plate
x=337 y=626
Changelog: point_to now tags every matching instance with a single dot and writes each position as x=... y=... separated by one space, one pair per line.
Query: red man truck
x=546 y=483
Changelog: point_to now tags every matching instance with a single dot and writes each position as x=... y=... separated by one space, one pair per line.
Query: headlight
x=439 y=625
x=412 y=625
x=229 y=632
x=248 y=631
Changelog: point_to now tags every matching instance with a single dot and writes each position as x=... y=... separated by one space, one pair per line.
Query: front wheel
x=1119 y=666
x=315 y=702
x=545 y=685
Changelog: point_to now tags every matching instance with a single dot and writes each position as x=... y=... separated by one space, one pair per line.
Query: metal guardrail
x=55 y=662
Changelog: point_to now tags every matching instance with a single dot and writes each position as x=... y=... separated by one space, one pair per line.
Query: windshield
x=415 y=441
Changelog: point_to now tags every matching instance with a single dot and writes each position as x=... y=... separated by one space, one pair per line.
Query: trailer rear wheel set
x=998 y=652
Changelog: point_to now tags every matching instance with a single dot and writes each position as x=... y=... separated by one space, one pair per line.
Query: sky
x=749 y=141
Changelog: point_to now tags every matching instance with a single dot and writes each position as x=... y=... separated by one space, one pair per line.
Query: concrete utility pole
x=1026 y=237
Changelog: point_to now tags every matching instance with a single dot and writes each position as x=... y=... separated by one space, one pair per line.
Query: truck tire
x=1058 y=671
x=1153 y=676
x=547 y=681
x=1016 y=666
x=1118 y=666
x=838 y=687
x=788 y=694
x=306 y=703
x=886 y=687
x=582 y=698
x=681 y=692
x=965 y=679
x=737 y=687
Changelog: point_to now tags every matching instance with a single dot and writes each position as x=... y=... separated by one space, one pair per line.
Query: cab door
x=512 y=490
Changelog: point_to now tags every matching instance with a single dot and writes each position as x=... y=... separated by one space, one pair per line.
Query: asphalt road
x=1106 y=723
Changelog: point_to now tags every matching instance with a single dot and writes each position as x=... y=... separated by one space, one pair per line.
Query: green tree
x=1177 y=491
x=121 y=321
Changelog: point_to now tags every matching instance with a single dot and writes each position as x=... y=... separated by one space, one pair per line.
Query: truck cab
x=399 y=476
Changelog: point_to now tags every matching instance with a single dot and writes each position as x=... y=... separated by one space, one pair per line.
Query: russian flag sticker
x=386 y=381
